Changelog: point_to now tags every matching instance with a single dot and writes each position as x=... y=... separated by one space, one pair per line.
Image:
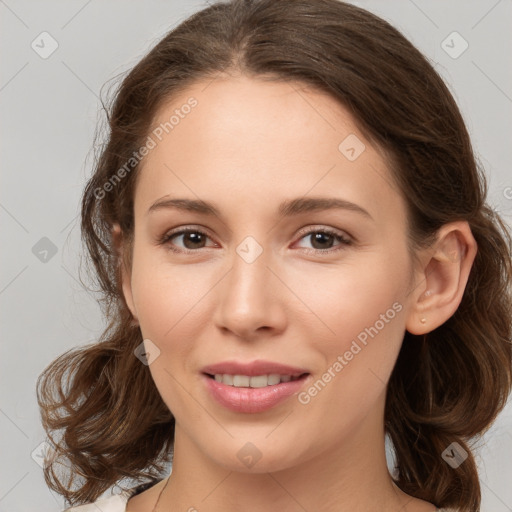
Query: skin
x=247 y=146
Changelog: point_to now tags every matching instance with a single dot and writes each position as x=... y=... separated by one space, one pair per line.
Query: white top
x=114 y=503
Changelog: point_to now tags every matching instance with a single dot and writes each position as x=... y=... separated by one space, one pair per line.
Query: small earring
x=427 y=293
x=423 y=320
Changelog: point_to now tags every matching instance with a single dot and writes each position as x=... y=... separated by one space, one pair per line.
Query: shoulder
x=114 y=503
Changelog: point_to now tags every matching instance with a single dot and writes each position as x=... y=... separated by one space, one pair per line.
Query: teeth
x=256 y=381
x=241 y=381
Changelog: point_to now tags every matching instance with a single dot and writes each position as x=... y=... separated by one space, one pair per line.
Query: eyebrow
x=286 y=208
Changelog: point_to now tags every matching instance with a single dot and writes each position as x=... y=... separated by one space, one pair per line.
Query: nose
x=251 y=299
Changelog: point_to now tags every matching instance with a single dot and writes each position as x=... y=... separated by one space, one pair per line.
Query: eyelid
x=327 y=229
x=345 y=240
x=180 y=230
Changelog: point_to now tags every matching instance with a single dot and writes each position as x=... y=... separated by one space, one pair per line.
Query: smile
x=255 y=393
x=254 y=381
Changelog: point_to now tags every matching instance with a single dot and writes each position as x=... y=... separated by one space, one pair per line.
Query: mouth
x=251 y=394
x=254 y=381
x=253 y=386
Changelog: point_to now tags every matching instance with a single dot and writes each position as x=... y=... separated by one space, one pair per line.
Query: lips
x=232 y=384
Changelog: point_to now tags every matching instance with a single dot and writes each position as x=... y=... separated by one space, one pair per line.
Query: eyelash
x=344 y=241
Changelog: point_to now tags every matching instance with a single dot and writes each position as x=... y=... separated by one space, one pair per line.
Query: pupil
x=318 y=237
x=195 y=238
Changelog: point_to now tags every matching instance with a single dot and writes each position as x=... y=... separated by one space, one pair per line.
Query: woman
x=291 y=234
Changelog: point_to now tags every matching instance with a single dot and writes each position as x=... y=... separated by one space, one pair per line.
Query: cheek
x=171 y=315
x=352 y=296
x=358 y=361
x=363 y=313
x=165 y=295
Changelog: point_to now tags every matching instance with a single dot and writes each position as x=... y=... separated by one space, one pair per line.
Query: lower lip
x=252 y=400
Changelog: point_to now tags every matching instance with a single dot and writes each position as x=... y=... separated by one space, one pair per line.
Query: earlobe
x=441 y=283
x=124 y=273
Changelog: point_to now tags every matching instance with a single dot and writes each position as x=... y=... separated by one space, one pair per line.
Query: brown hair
x=447 y=386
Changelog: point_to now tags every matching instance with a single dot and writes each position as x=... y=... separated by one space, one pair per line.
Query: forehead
x=255 y=140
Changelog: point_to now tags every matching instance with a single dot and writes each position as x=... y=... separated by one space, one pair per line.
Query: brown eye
x=189 y=239
x=323 y=240
x=193 y=239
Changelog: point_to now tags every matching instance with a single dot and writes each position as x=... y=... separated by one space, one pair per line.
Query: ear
x=124 y=271
x=442 y=278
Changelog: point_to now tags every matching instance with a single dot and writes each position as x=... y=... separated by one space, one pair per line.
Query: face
x=321 y=289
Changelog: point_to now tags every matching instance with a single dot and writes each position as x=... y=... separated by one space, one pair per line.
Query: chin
x=254 y=457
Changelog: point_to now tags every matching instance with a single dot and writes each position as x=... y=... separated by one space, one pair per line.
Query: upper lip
x=252 y=368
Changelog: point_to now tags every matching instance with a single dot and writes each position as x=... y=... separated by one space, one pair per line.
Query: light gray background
x=49 y=109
